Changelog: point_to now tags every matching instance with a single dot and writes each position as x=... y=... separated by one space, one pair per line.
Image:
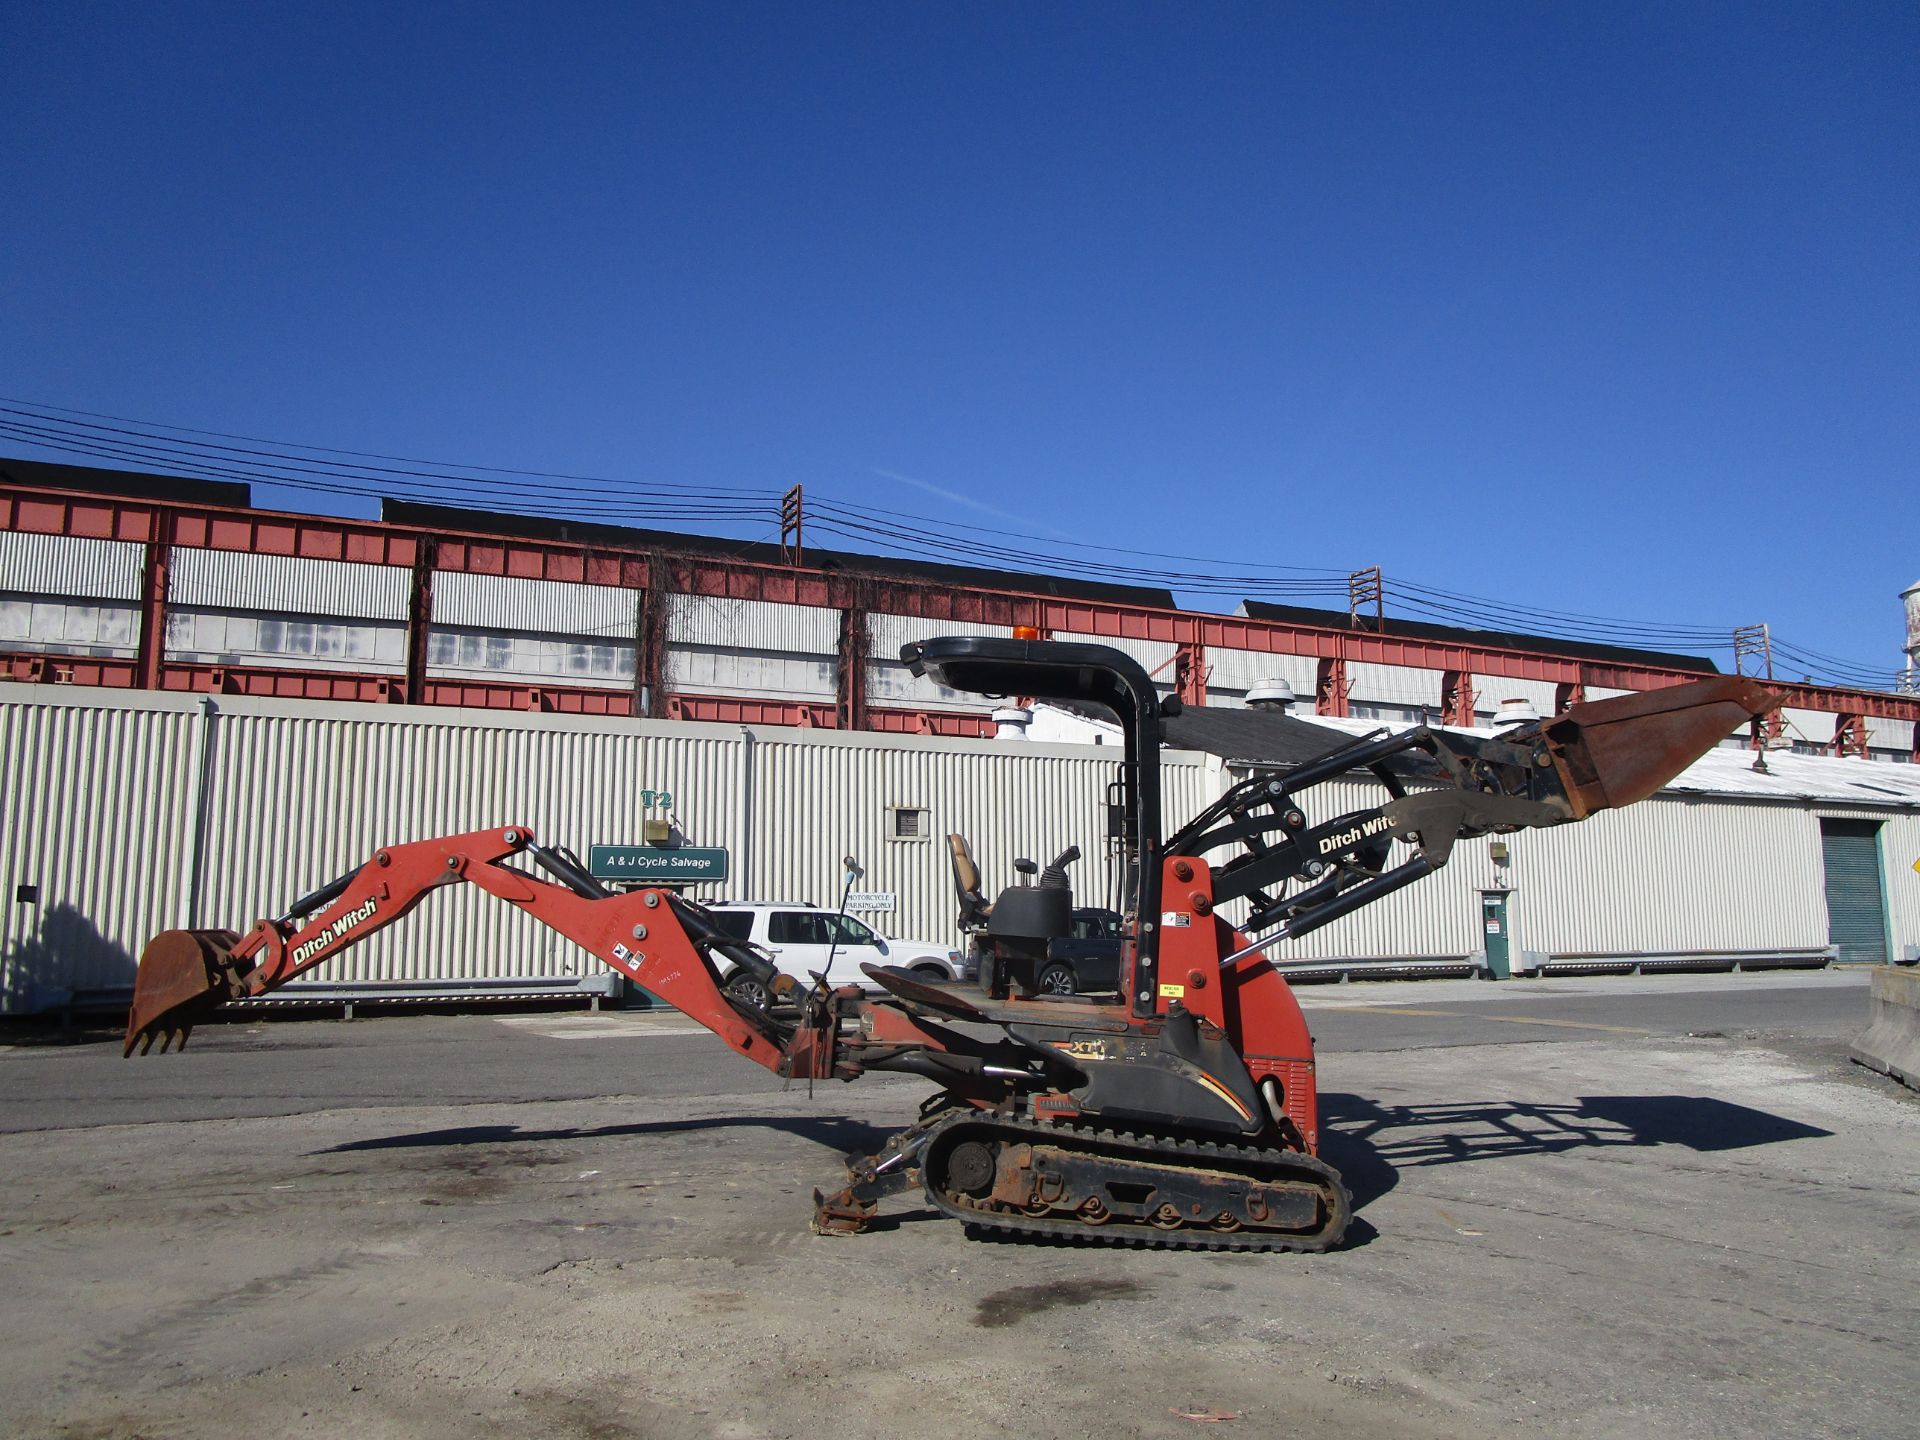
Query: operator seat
x=974 y=908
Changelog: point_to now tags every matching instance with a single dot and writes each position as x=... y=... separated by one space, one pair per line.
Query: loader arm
x=1454 y=785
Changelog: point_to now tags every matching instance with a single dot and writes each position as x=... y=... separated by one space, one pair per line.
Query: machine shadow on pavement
x=833 y=1132
x=1371 y=1143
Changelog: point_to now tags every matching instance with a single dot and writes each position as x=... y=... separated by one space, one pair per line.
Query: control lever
x=1054 y=877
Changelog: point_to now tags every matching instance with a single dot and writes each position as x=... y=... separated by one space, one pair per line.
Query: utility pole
x=1753 y=642
x=792 y=516
x=1365 y=587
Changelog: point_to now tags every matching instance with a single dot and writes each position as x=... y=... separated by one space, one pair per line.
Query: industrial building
x=209 y=708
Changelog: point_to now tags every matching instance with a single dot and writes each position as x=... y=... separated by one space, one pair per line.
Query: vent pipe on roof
x=1272 y=694
x=1514 y=712
x=1010 y=722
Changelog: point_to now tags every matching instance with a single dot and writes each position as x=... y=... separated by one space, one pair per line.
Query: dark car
x=1087 y=962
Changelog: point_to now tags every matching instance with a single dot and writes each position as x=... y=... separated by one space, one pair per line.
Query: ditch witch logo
x=333 y=932
x=1341 y=839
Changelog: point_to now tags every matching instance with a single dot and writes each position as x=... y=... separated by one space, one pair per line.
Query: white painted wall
x=137 y=811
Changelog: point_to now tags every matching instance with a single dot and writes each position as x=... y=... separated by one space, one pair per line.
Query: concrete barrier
x=1891 y=1041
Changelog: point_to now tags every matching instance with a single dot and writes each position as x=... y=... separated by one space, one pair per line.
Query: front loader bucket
x=1614 y=752
x=183 y=976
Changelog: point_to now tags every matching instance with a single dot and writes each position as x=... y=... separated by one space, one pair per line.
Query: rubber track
x=986 y=1224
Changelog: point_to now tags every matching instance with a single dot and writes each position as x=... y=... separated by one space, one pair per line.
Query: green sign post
x=658 y=864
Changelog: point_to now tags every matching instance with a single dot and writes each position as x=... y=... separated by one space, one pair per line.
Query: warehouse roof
x=142 y=485
x=486 y=522
x=1822 y=779
x=139 y=485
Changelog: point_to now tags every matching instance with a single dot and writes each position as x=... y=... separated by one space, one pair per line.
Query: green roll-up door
x=1856 y=910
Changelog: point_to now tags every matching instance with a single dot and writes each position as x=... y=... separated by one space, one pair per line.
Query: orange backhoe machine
x=1179 y=1112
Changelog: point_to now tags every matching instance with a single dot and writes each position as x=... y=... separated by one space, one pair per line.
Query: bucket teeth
x=184 y=975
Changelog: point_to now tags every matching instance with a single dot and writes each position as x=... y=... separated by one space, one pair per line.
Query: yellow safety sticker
x=1173 y=992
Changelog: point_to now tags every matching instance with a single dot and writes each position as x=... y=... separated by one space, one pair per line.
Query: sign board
x=658 y=864
x=870 y=900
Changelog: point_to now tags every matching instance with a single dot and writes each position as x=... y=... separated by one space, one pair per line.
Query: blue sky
x=1607 y=310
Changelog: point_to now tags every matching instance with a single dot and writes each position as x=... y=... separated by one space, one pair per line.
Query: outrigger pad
x=1616 y=752
x=183 y=977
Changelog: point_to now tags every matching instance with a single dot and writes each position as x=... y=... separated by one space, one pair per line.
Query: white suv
x=804 y=940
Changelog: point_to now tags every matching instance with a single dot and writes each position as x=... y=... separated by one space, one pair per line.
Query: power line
x=896 y=515
x=329 y=449
x=440 y=486
x=597 y=498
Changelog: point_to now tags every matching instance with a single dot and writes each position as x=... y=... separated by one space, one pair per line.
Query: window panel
x=797 y=927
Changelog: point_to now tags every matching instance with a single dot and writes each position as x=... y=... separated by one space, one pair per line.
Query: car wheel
x=1054 y=979
x=935 y=973
x=743 y=986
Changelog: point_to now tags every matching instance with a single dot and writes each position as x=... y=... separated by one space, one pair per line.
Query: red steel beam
x=954 y=724
x=45 y=668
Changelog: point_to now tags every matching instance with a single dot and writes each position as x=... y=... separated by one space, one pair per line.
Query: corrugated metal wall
x=70 y=565
x=753 y=625
x=544 y=607
x=1393 y=684
x=891 y=683
x=1899 y=853
x=1889 y=734
x=298 y=799
x=96 y=815
x=1816 y=726
x=1155 y=656
x=887 y=633
x=1238 y=670
x=101 y=815
x=1671 y=874
x=821 y=798
x=287 y=584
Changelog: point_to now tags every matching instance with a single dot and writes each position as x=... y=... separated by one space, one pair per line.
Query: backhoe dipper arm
x=651 y=936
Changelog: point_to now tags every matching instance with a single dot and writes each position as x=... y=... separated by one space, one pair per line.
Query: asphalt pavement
x=51 y=1079
x=1607 y=1209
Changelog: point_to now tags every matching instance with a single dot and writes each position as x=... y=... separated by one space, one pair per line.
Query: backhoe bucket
x=1615 y=752
x=184 y=976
